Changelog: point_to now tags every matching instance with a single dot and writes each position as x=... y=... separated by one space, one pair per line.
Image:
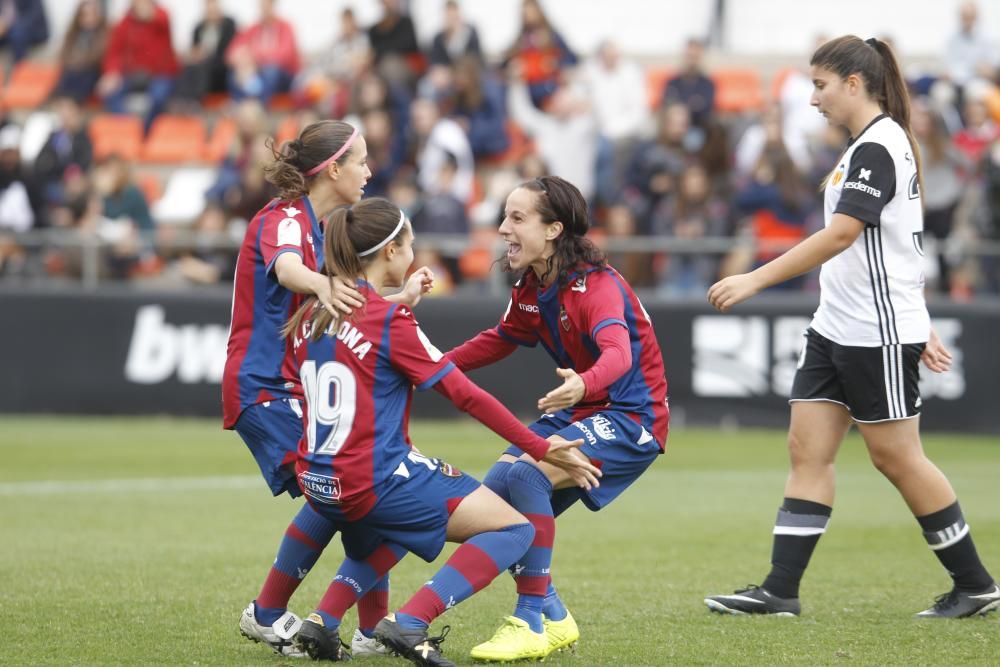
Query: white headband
x=402 y=219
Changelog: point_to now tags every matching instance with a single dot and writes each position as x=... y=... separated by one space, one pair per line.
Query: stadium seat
x=656 y=81
x=116 y=135
x=175 y=139
x=288 y=129
x=223 y=135
x=150 y=185
x=737 y=90
x=214 y=101
x=30 y=84
x=520 y=145
x=778 y=80
x=477 y=260
x=282 y=102
x=183 y=197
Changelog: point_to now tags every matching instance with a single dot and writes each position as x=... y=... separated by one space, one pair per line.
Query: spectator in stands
x=437 y=139
x=251 y=131
x=988 y=219
x=944 y=172
x=540 y=53
x=970 y=53
x=386 y=151
x=479 y=107
x=253 y=191
x=777 y=203
x=621 y=222
x=565 y=135
x=439 y=211
x=67 y=148
x=17 y=210
x=127 y=224
x=652 y=174
x=616 y=90
x=205 y=263
x=205 y=70
x=264 y=57
x=693 y=214
x=394 y=34
x=457 y=39
x=979 y=131
x=139 y=58
x=692 y=87
x=82 y=52
x=23 y=24
x=327 y=82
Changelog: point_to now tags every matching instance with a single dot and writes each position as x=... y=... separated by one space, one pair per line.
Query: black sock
x=948 y=536
x=796 y=532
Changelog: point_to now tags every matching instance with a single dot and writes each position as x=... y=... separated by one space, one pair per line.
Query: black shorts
x=874 y=383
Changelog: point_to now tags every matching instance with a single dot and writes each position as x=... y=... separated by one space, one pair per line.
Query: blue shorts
x=412 y=510
x=272 y=431
x=616 y=444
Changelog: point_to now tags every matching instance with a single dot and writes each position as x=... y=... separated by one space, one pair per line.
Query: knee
x=893 y=465
x=803 y=454
x=523 y=474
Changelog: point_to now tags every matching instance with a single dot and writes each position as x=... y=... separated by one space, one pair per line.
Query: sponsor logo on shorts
x=321 y=488
x=449 y=470
x=603 y=427
x=586 y=432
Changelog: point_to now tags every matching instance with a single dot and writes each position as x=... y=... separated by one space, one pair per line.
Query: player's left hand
x=732 y=290
x=569 y=393
x=419 y=283
x=936 y=356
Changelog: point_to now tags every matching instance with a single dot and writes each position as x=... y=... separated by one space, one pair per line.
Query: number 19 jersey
x=358 y=384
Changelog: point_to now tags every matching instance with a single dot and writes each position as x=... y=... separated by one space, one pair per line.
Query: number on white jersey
x=331 y=394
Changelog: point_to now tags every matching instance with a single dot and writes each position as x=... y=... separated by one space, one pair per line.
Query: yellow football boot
x=513 y=641
x=561 y=634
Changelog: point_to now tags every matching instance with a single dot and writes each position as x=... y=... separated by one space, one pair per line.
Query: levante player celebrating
x=614 y=391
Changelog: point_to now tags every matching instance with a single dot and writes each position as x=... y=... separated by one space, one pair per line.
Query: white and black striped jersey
x=872 y=293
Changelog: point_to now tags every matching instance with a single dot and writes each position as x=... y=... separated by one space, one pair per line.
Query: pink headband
x=333 y=158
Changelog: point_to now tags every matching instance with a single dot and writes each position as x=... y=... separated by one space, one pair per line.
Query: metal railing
x=92 y=247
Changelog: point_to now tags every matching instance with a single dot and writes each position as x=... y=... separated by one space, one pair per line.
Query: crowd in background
x=450 y=130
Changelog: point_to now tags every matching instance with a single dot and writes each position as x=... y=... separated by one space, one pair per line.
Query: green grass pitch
x=139 y=541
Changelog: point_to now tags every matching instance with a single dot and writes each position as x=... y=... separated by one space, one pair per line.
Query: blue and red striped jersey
x=566 y=320
x=259 y=363
x=358 y=383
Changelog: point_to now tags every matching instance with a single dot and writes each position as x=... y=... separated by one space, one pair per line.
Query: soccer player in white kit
x=860 y=360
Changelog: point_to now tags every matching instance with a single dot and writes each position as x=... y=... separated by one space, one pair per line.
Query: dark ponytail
x=350 y=230
x=874 y=60
x=316 y=143
x=559 y=200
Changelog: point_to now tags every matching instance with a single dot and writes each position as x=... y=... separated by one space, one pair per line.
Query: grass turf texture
x=157 y=569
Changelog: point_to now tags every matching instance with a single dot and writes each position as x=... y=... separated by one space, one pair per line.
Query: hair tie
x=333 y=158
x=349 y=218
x=402 y=219
x=872 y=42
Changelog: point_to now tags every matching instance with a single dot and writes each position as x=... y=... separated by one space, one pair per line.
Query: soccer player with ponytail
x=862 y=351
x=356 y=465
x=613 y=392
x=278 y=264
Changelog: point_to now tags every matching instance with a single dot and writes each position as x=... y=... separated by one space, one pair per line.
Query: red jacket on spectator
x=141 y=46
x=271 y=43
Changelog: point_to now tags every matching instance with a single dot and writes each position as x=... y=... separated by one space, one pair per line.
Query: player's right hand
x=565 y=454
x=339 y=294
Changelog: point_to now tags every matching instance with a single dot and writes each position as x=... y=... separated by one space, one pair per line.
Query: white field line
x=138 y=485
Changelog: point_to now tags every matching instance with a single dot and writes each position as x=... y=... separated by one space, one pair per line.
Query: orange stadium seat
x=175 y=139
x=282 y=102
x=215 y=101
x=116 y=135
x=778 y=80
x=30 y=84
x=150 y=185
x=223 y=135
x=656 y=81
x=520 y=145
x=737 y=90
x=288 y=129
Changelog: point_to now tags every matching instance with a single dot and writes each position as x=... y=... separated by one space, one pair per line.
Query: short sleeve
x=520 y=322
x=604 y=305
x=413 y=354
x=870 y=184
x=279 y=234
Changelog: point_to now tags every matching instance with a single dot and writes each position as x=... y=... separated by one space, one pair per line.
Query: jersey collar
x=867 y=127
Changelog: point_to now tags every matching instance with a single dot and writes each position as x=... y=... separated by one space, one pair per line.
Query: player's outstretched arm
x=475 y=401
